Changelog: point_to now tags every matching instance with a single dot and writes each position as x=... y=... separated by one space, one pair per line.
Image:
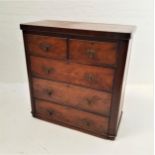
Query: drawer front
x=89 y=76
x=78 y=97
x=92 y=52
x=50 y=47
x=84 y=120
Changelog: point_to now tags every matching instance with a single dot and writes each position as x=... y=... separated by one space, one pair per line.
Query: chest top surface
x=83 y=26
x=47 y=25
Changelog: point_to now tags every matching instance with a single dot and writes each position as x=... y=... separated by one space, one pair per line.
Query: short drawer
x=84 y=120
x=93 y=52
x=83 y=75
x=46 y=46
x=78 y=97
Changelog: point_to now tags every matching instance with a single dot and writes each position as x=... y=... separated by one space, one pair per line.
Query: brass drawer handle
x=50 y=112
x=45 y=46
x=89 y=101
x=48 y=70
x=90 y=77
x=90 y=53
x=85 y=122
x=49 y=92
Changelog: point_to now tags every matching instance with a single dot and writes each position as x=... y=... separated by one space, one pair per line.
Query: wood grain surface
x=84 y=120
x=74 y=96
x=89 y=76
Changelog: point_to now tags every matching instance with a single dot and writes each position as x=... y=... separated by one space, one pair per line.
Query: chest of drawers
x=76 y=73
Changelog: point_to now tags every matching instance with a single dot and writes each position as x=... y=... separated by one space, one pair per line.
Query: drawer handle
x=48 y=70
x=49 y=92
x=89 y=101
x=90 y=53
x=86 y=123
x=90 y=77
x=50 y=112
x=45 y=47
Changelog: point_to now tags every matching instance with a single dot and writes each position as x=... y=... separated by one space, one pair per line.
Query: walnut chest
x=76 y=73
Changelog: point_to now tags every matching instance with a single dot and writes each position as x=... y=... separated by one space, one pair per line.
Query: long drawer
x=84 y=120
x=90 y=76
x=78 y=97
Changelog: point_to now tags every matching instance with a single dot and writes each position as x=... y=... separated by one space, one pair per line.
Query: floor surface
x=20 y=133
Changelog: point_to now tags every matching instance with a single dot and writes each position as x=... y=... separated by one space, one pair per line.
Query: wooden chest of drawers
x=76 y=73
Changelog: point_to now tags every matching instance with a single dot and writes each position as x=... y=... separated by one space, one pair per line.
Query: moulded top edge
x=83 y=26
